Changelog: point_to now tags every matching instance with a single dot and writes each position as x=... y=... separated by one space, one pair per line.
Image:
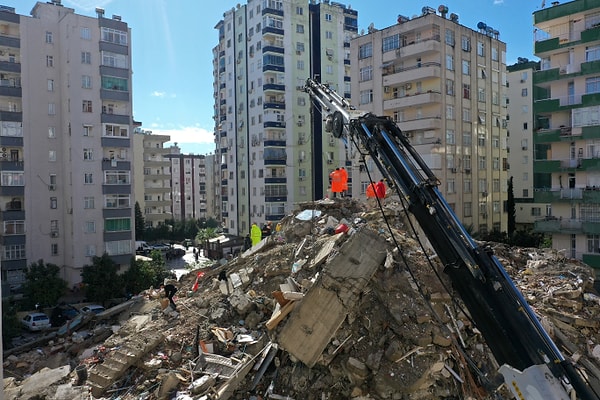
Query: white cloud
x=158 y=94
x=191 y=134
x=498 y=2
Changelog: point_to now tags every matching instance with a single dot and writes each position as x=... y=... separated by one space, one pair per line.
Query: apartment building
x=152 y=183
x=567 y=134
x=65 y=118
x=520 y=143
x=445 y=86
x=268 y=157
x=188 y=185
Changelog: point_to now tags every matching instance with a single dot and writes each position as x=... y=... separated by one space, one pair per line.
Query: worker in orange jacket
x=336 y=182
x=344 y=181
x=371 y=195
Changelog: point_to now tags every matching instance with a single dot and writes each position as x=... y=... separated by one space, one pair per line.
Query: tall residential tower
x=269 y=160
x=66 y=138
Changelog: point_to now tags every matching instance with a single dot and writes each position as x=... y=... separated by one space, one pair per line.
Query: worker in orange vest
x=344 y=181
x=371 y=195
x=336 y=182
x=380 y=190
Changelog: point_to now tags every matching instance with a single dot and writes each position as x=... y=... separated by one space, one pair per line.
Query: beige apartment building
x=567 y=126
x=66 y=140
x=445 y=86
x=152 y=181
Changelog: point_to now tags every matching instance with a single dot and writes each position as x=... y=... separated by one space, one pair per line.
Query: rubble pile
x=339 y=302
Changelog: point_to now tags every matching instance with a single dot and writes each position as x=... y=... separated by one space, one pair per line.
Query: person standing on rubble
x=344 y=175
x=371 y=193
x=336 y=182
x=380 y=190
x=170 y=291
x=255 y=234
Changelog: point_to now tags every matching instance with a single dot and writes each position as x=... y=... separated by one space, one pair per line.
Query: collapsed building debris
x=309 y=313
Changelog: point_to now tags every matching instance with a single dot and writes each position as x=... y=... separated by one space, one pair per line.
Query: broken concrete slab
x=325 y=306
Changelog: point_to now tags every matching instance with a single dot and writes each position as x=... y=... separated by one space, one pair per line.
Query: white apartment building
x=567 y=131
x=520 y=143
x=66 y=136
x=268 y=157
x=152 y=181
x=445 y=86
x=188 y=185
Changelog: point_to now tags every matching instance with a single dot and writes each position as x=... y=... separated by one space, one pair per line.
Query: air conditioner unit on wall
x=54 y=234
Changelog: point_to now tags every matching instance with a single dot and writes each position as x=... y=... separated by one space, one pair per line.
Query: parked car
x=92 y=308
x=36 y=321
x=62 y=313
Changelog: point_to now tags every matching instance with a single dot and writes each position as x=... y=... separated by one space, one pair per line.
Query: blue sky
x=173 y=39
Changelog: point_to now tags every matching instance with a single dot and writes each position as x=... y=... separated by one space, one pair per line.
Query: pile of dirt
x=302 y=315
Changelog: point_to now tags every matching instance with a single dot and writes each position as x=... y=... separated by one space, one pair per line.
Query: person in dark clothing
x=266 y=230
x=247 y=242
x=170 y=291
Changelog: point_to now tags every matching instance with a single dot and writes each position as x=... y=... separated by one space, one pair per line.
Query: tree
x=143 y=274
x=10 y=323
x=510 y=208
x=140 y=223
x=43 y=285
x=101 y=280
x=204 y=234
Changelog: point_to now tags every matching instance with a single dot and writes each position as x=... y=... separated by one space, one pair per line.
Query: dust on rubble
x=402 y=333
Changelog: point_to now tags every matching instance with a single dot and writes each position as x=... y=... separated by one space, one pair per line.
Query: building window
x=85 y=33
x=116 y=177
x=466 y=91
x=51 y=132
x=366 y=96
x=86 y=106
x=54 y=249
x=300 y=65
x=466 y=67
x=328 y=35
x=450 y=37
x=49 y=61
x=494 y=54
x=117 y=224
x=88 y=178
x=48 y=37
x=90 y=250
x=50 y=85
x=450 y=87
x=89 y=227
x=88 y=154
x=87 y=130
x=88 y=203
x=524 y=92
x=114 y=83
x=592 y=53
x=467 y=209
x=449 y=62
x=51 y=109
x=481 y=95
x=366 y=73
x=465 y=43
x=299 y=10
x=365 y=51
x=450 y=136
x=12 y=178
x=118 y=247
x=450 y=111
x=117 y=201
x=52 y=155
x=481 y=49
x=86 y=81
x=15 y=227
x=391 y=42
x=86 y=57
x=327 y=17
x=114 y=36
x=299 y=28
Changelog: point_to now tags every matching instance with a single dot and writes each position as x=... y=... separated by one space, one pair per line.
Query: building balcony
x=13 y=191
x=267 y=87
x=274 y=68
x=275 y=161
x=273 y=49
x=276 y=180
x=411 y=74
x=273 y=31
x=8 y=115
x=277 y=105
x=274 y=124
x=275 y=143
x=12 y=165
x=413 y=100
x=272 y=11
x=10 y=215
x=115 y=119
x=10 y=41
x=12 y=141
x=424 y=46
x=11 y=91
x=419 y=124
x=115 y=164
x=558 y=225
x=275 y=199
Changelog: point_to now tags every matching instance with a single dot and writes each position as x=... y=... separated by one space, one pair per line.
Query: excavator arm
x=532 y=365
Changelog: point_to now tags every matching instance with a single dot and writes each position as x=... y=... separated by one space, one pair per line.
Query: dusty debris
x=309 y=313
